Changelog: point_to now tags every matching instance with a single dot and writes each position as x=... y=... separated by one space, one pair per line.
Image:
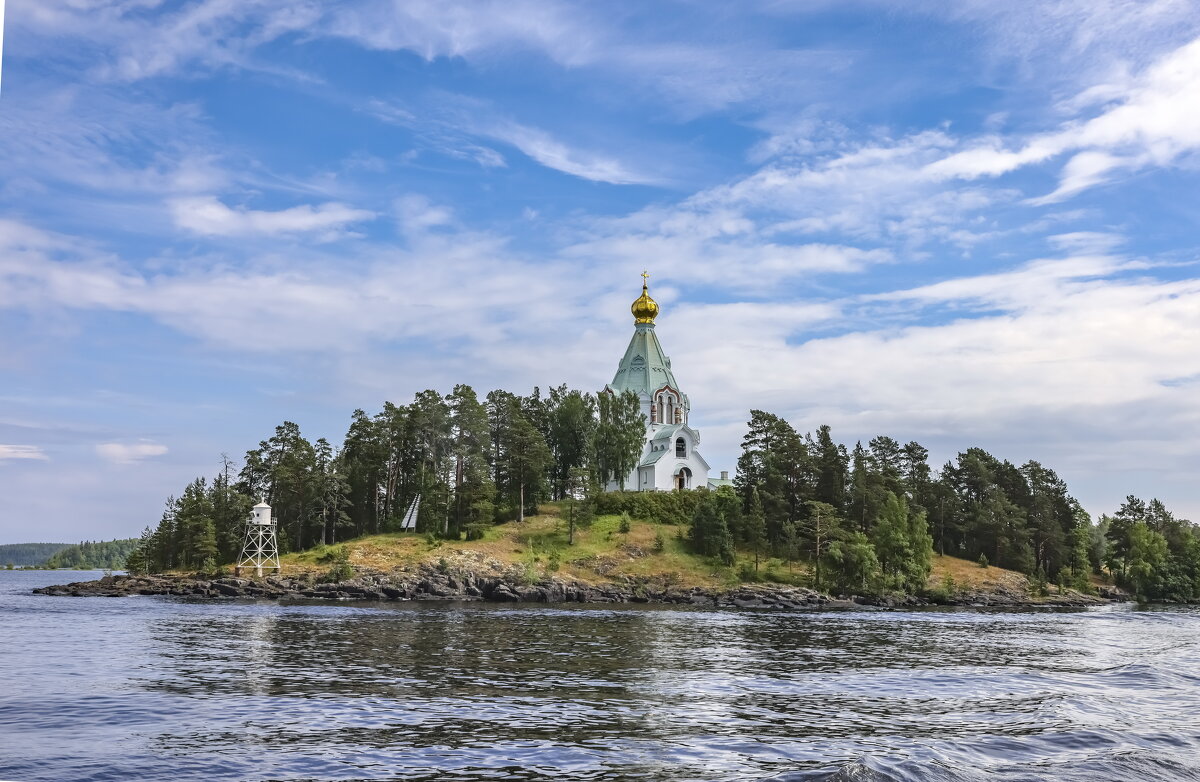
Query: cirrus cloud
x=208 y=216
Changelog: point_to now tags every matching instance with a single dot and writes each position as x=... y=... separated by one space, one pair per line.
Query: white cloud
x=1151 y=123
x=552 y=153
x=207 y=216
x=14 y=452
x=130 y=453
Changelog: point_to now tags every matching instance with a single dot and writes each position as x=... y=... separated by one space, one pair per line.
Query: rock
x=503 y=594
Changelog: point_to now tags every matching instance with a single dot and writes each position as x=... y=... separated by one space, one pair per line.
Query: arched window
x=681 y=448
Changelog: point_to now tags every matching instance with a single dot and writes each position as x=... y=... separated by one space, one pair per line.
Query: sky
x=965 y=223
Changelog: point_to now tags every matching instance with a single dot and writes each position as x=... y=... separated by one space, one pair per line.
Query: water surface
x=161 y=688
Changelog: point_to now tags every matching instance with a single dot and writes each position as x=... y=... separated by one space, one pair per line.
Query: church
x=670 y=457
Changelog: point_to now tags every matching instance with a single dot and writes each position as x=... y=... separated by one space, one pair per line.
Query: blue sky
x=964 y=223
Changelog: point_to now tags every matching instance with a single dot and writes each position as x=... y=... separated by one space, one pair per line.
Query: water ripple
x=159 y=688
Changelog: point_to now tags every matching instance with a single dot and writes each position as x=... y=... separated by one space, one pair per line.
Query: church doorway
x=683 y=479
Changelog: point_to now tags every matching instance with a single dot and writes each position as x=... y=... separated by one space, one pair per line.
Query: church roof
x=652 y=458
x=645 y=368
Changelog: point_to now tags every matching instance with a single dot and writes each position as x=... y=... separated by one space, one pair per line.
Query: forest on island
x=93 y=555
x=27 y=554
x=473 y=462
x=870 y=518
x=863 y=519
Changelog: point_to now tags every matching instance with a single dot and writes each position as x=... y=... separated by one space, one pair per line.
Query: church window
x=681 y=448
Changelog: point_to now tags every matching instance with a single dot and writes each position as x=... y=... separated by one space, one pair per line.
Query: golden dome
x=644 y=309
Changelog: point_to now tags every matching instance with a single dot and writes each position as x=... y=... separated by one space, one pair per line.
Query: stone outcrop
x=432 y=583
x=474 y=577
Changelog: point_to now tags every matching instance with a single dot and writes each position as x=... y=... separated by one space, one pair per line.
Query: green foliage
x=28 y=554
x=673 y=507
x=1037 y=583
x=660 y=542
x=94 y=555
x=710 y=534
x=851 y=565
x=340 y=568
x=619 y=435
x=983 y=561
x=626 y=523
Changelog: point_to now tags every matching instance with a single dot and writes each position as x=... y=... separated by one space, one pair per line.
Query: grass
x=968 y=575
x=600 y=552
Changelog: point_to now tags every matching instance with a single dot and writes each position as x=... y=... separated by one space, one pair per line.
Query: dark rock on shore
x=428 y=582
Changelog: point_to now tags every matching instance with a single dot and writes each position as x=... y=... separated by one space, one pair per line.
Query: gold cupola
x=644 y=309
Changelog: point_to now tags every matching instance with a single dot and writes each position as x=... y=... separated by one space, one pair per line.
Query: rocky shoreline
x=430 y=582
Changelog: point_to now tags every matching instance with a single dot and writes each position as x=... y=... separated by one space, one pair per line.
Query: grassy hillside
x=601 y=552
x=968 y=576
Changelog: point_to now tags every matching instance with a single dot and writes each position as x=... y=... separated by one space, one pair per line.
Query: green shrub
x=664 y=507
x=660 y=542
x=983 y=560
x=341 y=568
x=626 y=523
x=553 y=561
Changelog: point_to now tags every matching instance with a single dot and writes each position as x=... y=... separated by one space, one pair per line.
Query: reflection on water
x=153 y=688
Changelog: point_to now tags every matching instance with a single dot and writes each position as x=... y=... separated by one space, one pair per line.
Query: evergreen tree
x=473 y=488
x=756 y=527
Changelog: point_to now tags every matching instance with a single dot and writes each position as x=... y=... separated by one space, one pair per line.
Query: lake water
x=152 y=688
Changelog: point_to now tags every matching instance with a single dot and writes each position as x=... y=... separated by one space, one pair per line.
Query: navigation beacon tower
x=261 y=549
x=670 y=459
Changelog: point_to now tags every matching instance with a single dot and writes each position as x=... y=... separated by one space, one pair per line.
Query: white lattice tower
x=261 y=549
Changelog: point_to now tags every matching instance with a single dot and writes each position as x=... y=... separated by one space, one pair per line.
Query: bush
x=341 y=569
x=626 y=523
x=746 y=572
x=983 y=560
x=553 y=560
x=664 y=507
x=660 y=542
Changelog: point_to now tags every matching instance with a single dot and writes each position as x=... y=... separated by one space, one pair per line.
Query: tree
x=822 y=528
x=572 y=420
x=473 y=488
x=710 y=530
x=619 y=436
x=756 y=527
x=1146 y=560
x=831 y=463
x=892 y=543
x=851 y=564
x=579 y=491
x=523 y=459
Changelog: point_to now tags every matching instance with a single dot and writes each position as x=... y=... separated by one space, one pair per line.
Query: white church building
x=670 y=457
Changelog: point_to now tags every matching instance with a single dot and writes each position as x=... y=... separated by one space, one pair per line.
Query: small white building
x=670 y=458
